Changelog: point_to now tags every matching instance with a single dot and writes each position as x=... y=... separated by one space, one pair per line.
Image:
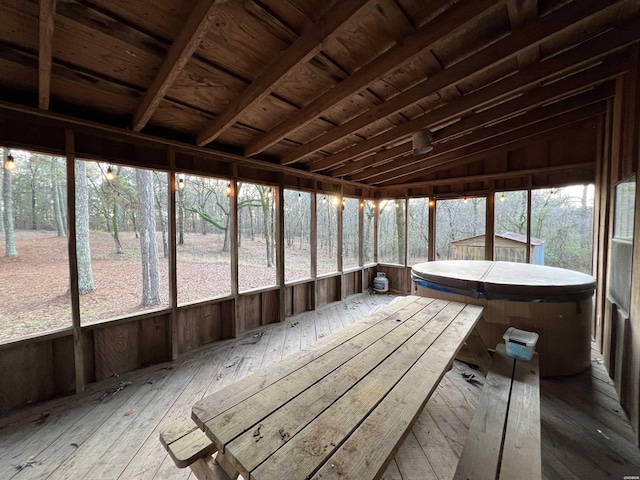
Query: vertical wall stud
x=173 y=280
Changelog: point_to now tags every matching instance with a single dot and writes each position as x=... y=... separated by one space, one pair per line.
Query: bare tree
x=151 y=294
x=9 y=237
x=83 y=247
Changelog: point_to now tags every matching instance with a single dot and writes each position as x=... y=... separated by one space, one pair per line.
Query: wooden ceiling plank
x=498 y=176
x=47 y=14
x=587 y=52
x=371 y=161
x=450 y=20
x=534 y=34
x=522 y=13
x=530 y=118
x=450 y=159
x=300 y=51
x=179 y=53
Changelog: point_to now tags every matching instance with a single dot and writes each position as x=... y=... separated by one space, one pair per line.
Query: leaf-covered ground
x=34 y=285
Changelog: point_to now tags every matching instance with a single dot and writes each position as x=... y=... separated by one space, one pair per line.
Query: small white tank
x=381 y=283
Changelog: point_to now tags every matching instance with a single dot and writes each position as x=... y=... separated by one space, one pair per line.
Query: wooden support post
x=233 y=236
x=407 y=275
x=361 y=241
x=376 y=215
x=489 y=235
x=340 y=215
x=528 y=250
x=313 y=297
x=78 y=352
x=174 y=347
x=432 y=228
x=280 y=247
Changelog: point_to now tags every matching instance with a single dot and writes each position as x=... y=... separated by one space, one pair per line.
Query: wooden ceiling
x=333 y=87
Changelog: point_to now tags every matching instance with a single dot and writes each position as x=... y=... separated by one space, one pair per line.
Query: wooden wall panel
x=396 y=276
x=202 y=324
x=328 y=290
x=269 y=306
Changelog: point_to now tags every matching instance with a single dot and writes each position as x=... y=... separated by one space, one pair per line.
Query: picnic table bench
x=339 y=409
x=504 y=438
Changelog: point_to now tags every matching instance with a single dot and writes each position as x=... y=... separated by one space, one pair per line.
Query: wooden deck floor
x=111 y=430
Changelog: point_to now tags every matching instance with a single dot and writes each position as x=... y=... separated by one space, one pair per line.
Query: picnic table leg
x=475 y=352
x=214 y=468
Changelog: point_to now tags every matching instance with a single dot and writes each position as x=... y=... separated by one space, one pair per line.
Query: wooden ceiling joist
x=45 y=40
x=413 y=169
x=177 y=57
x=586 y=53
x=540 y=115
x=430 y=33
x=302 y=50
x=519 y=41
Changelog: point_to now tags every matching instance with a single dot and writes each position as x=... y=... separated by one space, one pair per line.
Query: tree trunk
x=180 y=216
x=63 y=205
x=151 y=294
x=265 y=224
x=116 y=229
x=85 y=274
x=57 y=208
x=9 y=238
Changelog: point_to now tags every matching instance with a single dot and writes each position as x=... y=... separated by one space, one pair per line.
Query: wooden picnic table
x=342 y=408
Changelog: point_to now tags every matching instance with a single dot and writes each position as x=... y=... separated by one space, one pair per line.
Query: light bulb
x=335 y=201
x=10 y=164
x=269 y=193
x=181 y=183
x=503 y=198
x=229 y=189
x=109 y=173
x=361 y=203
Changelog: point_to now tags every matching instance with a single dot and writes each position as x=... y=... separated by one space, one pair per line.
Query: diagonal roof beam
x=181 y=50
x=302 y=50
x=466 y=141
x=515 y=106
x=459 y=157
x=585 y=53
x=45 y=38
x=508 y=47
x=430 y=33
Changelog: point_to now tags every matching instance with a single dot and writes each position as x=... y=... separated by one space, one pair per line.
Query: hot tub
x=554 y=302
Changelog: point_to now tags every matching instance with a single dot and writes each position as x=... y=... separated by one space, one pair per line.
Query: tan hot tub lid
x=504 y=280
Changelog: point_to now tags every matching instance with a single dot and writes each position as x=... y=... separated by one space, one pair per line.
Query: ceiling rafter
x=385 y=63
x=585 y=53
x=522 y=13
x=301 y=50
x=45 y=41
x=530 y=119
x=508 y=47
x=177 y=57
x=512 y=108
x=460 y=157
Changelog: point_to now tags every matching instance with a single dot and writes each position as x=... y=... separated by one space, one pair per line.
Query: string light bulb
x=335 y=201
x=465 y=200
x=181 y=183
x=552 y=193
x=10 y=163
x=361 y=203
x=109 y=173
x=229 y=189
x=269 y=193
x=324 y=199
x=503 y=198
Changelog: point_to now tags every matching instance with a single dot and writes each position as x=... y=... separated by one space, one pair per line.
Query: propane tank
x=381 y=283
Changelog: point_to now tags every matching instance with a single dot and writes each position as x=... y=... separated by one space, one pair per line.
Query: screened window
x=368 y=236
x=460 y=229
x=418 y=229
x=624 y=210
x=121 y=240
x=327 y=218
x=563 y=219
x=350 y=233
x=510 y=242
x=34 y=262
x=297 y=235
x=203 y=243
x=256 y=236
x=391 y=231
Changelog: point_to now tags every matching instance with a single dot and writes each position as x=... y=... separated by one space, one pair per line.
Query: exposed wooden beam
x=509 y=46
x=442 y=25
x=522 y=13
x=300 y=51
x=45 y=40
x=177 y=57
x=483 y=135
x=512 y=108
x=585 y=53
x=414 y=169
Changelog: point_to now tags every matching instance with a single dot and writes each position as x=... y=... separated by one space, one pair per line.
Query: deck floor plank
x=585 y=433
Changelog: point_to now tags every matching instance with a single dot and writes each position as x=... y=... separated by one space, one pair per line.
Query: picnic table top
x=340 y=408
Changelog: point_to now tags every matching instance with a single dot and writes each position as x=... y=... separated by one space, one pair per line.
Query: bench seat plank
x=185 y=442
x=505 y=441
